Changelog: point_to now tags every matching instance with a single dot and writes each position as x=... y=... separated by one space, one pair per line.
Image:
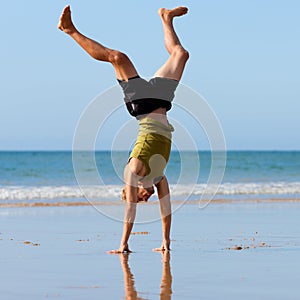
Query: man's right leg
x=123 y=66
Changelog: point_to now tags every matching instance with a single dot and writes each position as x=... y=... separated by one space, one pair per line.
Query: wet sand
x=246 y=250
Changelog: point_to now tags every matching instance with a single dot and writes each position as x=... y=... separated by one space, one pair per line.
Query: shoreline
x=155 y=202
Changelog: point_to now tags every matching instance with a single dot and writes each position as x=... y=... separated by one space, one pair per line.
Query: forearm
x=166 y=228
x=165 y=211
x=129 y=218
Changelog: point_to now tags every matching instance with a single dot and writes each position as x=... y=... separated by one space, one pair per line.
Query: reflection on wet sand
x=166 y=280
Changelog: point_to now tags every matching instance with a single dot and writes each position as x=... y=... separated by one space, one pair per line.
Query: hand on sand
x=165 y=247
x=122 y=249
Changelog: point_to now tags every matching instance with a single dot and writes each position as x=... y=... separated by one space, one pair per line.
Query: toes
x=67 y=8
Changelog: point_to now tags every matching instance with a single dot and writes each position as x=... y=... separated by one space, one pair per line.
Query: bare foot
x=122 y=249
x=168 y=14
x=65 y=22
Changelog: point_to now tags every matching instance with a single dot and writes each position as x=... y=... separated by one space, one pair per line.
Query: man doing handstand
x=149 y=102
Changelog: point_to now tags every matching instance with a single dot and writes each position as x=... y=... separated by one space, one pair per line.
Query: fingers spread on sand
x=119 y=251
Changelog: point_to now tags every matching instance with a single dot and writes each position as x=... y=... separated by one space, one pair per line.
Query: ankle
x=71 y=31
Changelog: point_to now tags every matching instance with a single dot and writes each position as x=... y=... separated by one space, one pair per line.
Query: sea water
x=41 y=176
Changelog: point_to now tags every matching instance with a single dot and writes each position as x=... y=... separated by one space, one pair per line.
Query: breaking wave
x=107 y=192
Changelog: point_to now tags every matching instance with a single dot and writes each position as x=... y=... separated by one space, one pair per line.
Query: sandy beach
x=225 y=251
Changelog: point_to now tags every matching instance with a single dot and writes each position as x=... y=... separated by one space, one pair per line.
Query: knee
x=181 y=53
x=117 y=57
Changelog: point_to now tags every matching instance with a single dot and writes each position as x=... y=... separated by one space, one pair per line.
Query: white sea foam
x=269 y=188
x=58 y=192
x=114 y=191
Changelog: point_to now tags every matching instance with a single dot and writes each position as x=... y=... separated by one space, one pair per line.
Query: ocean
x=45 y=177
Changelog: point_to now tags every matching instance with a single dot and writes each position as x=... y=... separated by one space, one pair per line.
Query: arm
x=131 y=178
x=165 y=212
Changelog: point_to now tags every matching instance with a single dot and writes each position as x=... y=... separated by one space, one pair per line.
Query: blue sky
x=244 y=60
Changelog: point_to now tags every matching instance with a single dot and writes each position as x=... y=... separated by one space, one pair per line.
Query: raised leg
x=174 y=66
x=165 y=212
x=124 y=68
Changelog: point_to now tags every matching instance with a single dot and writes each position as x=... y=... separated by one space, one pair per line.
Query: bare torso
x=160 y=115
